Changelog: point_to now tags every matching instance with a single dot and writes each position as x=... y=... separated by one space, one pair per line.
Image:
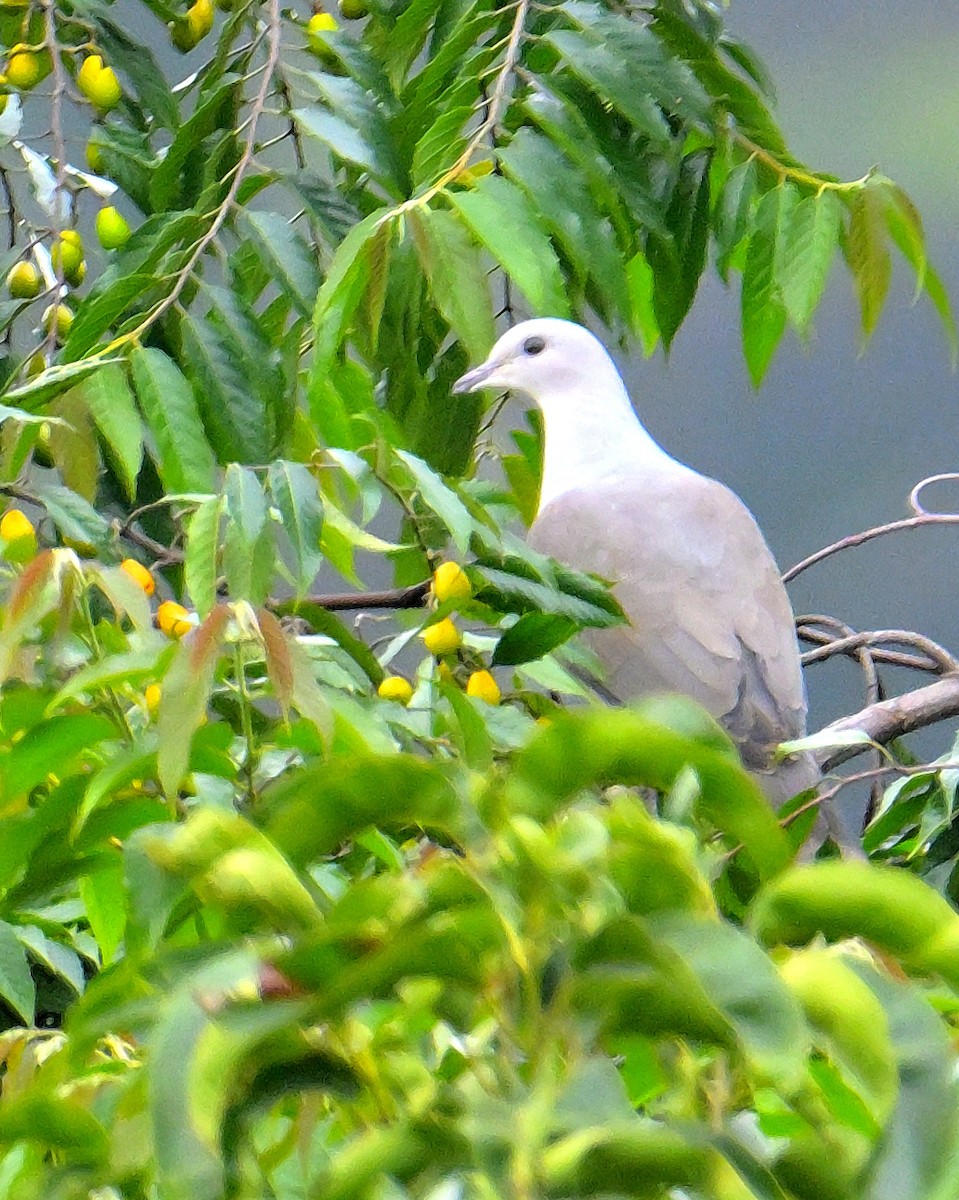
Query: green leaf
x=136 y=61
x=248 y=538
x=763 y=312
x=563 y=197
x=604 y=746
x=214 y=112
x=16 y=983
x=72 y=515
x=186 y=461
x=612 y=76
x=678 y=258
x=733 y=211
x=808 y=241
x=108 y=396
x=52 y=381
x=867 y=253
x=503 y=220
x=202 y=544
x=458 y=283
x=296 y=494
x=104 y=899
x=100 y=313
x=441 y=499
x=286 y=256
x=533 y=635
x=56 y=746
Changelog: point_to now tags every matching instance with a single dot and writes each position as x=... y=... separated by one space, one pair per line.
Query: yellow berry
x=113 y=230
x=14 y=525
x=67 y=256
x=322 y=23
x=35 y=364
x=19 y=535
x=99 y=83
x=483 y=686
x=450 y=582
x=200 y=17
x=139 y=574
x=152 y=697
x=442 y=638
x=395 y=687
x=59 y=315
x=24 y=282
x=23 y=70
x=173 y=619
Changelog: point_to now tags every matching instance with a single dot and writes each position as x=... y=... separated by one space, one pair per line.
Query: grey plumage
x=709 y=616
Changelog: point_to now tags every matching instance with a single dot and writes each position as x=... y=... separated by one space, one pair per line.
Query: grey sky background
x=835 y=438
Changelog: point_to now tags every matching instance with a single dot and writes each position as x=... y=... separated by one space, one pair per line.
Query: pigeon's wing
x=709 y=616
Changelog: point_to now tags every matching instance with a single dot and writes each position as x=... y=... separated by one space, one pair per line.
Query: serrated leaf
x=295 y=493
x=733 y=212
x=109 y=398
x=169 y=405
x=52 y=382
x=441 y=499
x=533 y=635
x=502 y=219
x=287 y=256
x=867 y=253
x=807 y=242
x=202 y=543
x=458 y=284
x=563 y=197
x=611 y=75
x=678 y=258
x=233 y=412
x=763 y=312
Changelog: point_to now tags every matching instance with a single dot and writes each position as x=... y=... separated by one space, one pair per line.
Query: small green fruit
x=113 y=229
x=354 y=10
x=60 y=316
x=24 y=282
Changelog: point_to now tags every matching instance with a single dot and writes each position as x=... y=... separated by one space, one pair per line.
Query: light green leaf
x=458 y=283
x=248 y=540
x=867 y=253
x=202 y=543
x=169 y=405
x=503 y=220
x=107 y=394
x=763 y=313
x=73 y=516
x=104 y=898
x=295 y=492
x=807 y=242
x=441 y=499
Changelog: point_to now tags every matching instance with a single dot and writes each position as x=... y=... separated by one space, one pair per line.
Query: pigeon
x=708 y=616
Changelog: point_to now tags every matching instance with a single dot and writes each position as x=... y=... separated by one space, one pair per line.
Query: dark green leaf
x=169 y=405
x=287 y=257
x=867 y=253
x=16 y=983
x=533 y=635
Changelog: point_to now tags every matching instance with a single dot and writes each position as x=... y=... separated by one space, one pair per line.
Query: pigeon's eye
x=534 y=345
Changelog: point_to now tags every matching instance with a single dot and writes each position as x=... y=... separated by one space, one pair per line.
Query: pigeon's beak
x=474 y=379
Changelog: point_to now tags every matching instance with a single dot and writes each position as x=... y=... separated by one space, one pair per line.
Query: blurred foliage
x=296 y=907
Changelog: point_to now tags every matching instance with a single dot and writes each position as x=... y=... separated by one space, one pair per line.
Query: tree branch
x=889 y=719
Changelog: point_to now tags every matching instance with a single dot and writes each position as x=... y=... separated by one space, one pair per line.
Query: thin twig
x=943 y=662
x=185 y=273
x=408 y=597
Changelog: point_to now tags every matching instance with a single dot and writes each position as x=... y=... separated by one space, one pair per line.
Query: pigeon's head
x=545 y=357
